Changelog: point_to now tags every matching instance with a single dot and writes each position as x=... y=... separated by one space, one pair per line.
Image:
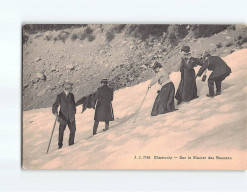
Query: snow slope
x=204 y=127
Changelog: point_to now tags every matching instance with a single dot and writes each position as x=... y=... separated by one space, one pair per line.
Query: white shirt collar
x=66 y=92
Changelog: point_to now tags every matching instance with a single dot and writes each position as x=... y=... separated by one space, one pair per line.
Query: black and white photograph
x=134 y=96
x=126 y=96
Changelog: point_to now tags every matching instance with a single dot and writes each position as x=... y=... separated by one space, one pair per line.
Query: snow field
x=204 y=126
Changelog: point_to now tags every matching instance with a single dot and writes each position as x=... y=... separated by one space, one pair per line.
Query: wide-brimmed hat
x=67 y=85
x=186 y=49
x=105 y=81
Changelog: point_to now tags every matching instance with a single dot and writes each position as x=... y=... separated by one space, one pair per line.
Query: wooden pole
x=52 y=134
x=141 y=105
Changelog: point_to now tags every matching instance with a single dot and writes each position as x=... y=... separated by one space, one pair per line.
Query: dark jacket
x=87 y=102
x=67 y=106
x=217 y=65
x=104 y=110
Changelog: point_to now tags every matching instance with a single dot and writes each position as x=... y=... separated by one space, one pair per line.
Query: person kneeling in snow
x=66 y=101
x=104 y=110
x=220 y=71
x=164 y=101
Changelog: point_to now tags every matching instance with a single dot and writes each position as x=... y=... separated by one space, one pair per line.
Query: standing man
x=104 y=110
x=66 y=101
x=220 y=71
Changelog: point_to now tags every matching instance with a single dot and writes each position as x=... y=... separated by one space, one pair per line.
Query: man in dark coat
x=66 y=101
x=220 y=71
x=104 y=110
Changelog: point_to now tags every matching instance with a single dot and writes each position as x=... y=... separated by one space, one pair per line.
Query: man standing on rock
x=104 y=110
x=66 y=101
x=220 y=71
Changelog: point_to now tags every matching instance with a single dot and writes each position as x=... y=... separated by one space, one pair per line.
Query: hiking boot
x=217 y=93
x=94 y=131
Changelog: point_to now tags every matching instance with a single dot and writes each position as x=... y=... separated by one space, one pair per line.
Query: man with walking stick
x=66 y=115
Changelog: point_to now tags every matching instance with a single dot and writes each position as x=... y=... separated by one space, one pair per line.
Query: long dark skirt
x=164 y=101
x=187 y=89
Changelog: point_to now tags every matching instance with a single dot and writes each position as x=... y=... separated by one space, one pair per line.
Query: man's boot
x=211 y=88
x=95 y=127
x=106 y=126
x=217 y=93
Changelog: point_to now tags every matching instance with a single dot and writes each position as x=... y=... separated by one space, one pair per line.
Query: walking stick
x=141 y=105
x=52 y=134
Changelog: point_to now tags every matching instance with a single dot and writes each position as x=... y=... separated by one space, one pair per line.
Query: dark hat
x=67 y=85
x=186 y=49
x=105 y=81
x=156 y=65
x=206 y=54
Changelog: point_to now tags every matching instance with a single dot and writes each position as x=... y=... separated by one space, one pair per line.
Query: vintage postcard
x=134 y=96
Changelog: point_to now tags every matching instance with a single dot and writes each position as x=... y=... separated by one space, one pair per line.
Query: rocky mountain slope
x=84 y=54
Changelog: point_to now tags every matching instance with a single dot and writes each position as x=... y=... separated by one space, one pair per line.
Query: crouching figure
x=220 y=71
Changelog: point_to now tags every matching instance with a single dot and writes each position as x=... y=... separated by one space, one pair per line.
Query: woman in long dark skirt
x=164 y=101
x=187 y=89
